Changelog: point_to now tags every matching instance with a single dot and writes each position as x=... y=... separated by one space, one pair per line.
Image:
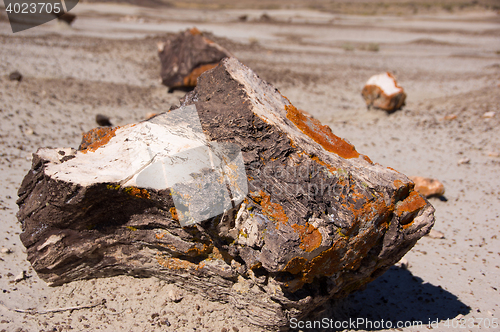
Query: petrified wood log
x=319 y=221
x=186 y=56
x=382 y=91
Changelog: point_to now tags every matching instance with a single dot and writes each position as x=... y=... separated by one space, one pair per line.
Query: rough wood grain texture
x=382 y=91
x=186 y=56
x=320 y=220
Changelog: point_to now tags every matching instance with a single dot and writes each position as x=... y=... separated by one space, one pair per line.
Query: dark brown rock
x=15 y=76
x=320 y=220
x=186 y=56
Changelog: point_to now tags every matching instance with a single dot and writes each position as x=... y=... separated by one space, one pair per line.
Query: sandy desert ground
x=446 y=58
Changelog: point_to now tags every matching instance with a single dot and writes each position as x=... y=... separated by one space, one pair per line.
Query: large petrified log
x=186 y=56
x=319 y=221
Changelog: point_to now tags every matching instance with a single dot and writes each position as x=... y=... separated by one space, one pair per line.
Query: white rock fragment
x=20 y=277
x=464 y=160
x=5 y=251
x=488 y=115
x=382 y=91
x=175 y=295
x=434 y=234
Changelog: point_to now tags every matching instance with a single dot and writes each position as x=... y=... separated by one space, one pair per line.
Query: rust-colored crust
x=295 y=265
x=321 y=134
x=137 y=192
x=310 y=237
x=194 y=31
x=104 y=135
x=173 y=263
x=273 y=211
x=192 y=79
x=173 y=212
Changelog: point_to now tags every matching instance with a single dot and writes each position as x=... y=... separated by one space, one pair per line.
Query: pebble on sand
x=434 y=234
x=464 y=160
x=21 y=276
x=15 y=76
x=427 y=186
x=488 y=115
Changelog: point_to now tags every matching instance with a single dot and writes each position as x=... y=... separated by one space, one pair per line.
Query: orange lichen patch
x=326 y=263
x=137 y=192
x=367 y=159
x=175 y=263
x=322 y=163
x=104 y=136
x=410 y=204
x=405 y=226
x=216 y=254
x=398 y=184
x=160 y=236
x=257 y=265
x=195 y=251
x=192 y=78
x=273 y=211
x=194 y=31
x=310 y=237
x=322 y=135
x=295 y=265
x=173 y=212
x=372 y=209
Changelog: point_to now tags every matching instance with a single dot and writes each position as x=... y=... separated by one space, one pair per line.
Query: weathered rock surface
x=428 y=187
x=320 y=220
x=186 y=56
x=382 y=91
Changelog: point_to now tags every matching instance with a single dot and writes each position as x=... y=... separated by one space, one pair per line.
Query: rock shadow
x=396 y=296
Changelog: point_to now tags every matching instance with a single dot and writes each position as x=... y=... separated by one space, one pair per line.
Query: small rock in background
x=149 y=115
x=382 y=91
x=488 y=115
x=28 y=131
x=450 y=117
x=5 y=251
x=493 y=154
x=434 y=234
x=175 y=295
x=103 y=120
x=15 y=76
x=21 y=276
x=427 y=186
x=186 y=56
x=464 y=160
